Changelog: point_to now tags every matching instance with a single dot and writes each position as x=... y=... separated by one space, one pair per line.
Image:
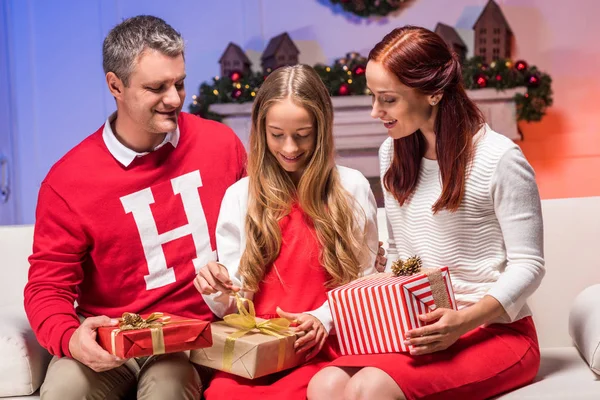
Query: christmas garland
x=235 y=88
x=366 y=8
x=505 y=74
x=346 y=77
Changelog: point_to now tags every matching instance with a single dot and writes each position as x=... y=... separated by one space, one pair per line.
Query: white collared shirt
x=124 y=154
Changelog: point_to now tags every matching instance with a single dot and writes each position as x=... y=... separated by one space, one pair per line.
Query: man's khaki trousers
x=167 y=376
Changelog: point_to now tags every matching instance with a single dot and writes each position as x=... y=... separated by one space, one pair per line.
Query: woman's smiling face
x=403 y=110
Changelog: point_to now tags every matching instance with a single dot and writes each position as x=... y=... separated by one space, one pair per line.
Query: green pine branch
x=346 y=77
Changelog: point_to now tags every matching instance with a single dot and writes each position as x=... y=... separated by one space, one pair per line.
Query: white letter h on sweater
x=138 y=204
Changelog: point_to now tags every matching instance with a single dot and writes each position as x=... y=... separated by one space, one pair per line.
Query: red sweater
x=119 y=239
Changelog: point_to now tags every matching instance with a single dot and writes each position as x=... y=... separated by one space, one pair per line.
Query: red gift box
x=167 y=334
x=372 y=315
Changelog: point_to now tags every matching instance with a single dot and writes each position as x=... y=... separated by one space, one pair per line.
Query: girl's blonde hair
x=334 y=213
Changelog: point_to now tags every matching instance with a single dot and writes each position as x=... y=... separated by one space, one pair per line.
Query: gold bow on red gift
x=246 y=321
x=131 y=321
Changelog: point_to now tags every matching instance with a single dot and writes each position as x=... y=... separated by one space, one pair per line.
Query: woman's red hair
x=422 y=60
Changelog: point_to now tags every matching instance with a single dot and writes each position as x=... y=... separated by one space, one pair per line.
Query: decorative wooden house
x=493 y=36
x=280 y=51
x=234 y=59
x=453 y=40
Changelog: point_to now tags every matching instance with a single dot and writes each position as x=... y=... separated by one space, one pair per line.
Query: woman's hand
x=312 y=330
x=449 y=326
x=213 y=278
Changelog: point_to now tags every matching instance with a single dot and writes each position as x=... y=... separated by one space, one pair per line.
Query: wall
x=561 y=38
x=60 y=93
x=61 y=96
x=8 y=200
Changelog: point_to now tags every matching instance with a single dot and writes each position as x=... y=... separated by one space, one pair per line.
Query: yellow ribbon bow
x=246 y=321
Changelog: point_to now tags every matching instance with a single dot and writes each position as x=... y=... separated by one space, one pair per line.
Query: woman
x=457 y=194
x=296 y=226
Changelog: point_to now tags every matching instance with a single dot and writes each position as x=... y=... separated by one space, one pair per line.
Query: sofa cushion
x=584 y=325
x=563 y=374
x=24 y=361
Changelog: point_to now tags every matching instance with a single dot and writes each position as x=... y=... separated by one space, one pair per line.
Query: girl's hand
x=213 y=278
x=440 y=335
x=313 y=332
x=381 y=259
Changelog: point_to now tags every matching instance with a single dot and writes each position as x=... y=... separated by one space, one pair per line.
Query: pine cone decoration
x=397 y=267
x=131 y=321
x=411 y=266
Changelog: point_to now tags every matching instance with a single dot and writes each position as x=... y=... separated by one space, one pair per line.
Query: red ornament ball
x=481 y=80
x=359 y=70
x=236 y=94
x=498 y=77
x=521 y=66
x=533 y=80
x=235 y=76
x=344 y=89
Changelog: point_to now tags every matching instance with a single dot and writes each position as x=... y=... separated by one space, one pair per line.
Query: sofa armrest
x=584 y=325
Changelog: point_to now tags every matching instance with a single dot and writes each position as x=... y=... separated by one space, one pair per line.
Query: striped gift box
x=372 y=315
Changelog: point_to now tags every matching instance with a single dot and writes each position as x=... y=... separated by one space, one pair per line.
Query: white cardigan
x=493 y=244
x=231 y=238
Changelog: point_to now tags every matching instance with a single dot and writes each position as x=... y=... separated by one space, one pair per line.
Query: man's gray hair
x=128 y=40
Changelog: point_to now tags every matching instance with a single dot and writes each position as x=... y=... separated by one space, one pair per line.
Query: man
x=126 y=219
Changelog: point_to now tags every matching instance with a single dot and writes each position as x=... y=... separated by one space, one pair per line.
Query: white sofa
x=572 y=245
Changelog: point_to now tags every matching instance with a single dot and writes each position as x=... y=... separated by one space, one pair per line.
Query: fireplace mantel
x=358 y=136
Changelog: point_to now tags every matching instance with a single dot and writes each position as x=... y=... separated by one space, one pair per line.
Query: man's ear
x=115 y=85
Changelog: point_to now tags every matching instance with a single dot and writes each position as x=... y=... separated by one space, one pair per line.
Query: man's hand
x=213 y=278
x=86 y=350
x=312 y=330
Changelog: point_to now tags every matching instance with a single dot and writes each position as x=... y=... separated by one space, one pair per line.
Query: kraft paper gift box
x=158 y=333
x=248 y=346
x=373 y=314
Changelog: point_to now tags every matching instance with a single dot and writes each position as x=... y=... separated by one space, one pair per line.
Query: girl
x=296 y=226
x=457 y=194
